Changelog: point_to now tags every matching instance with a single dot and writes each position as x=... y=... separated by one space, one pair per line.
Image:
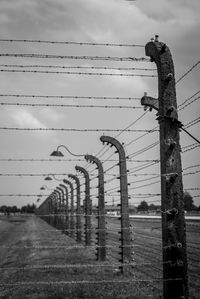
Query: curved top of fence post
x=62 y=194
x=159 y=52
x=56 y=192
x=93 y=159
x=161 y=55
x=54 y=195
x=82 y=170
x=59 y=189
x=114 y=142
x=75 y=178
x=65 y=187
x=51 y=195
x=69 y=183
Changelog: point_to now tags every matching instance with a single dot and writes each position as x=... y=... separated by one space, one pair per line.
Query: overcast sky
x=95 y=21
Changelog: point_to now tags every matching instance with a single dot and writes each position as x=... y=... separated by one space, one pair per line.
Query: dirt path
x=38 y=261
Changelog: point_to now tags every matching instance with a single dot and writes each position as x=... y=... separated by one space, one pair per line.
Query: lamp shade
x=57 y=154
x=48 y=178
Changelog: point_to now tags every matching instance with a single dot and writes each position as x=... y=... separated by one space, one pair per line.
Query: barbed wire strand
x=76 y=97
x=138 y=138
x=145 y=185
x=47 y=195
x=60 y=266
x=105 y=149
x=187 y=73
x=69 y=160
x=84 y=57
x=78 y=73
x=71 y=129
x=192 y=122
x=79 y=67
x=141 y=151
x=68 y=106
x=21 y=283
x=188 y=104
x=71 y=43
x=192 y=148
x=65 y=174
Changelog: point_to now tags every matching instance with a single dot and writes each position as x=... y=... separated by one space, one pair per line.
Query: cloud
x=176 y=22
x=24 y=118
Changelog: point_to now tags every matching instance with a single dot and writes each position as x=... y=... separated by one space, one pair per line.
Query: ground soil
x=38 y=261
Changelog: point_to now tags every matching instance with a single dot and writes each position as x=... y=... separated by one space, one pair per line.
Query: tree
x=14 y=209
x=154 y=208
x=188 y=201
x=143 y=206
x=28 y=208
x=3 y=209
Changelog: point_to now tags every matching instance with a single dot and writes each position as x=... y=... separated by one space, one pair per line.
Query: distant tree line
x=188 y=205
x=14 y=209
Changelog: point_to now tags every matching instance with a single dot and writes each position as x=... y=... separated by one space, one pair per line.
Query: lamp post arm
x=62 y=145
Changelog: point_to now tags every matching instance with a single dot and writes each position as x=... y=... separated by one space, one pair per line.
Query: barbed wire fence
x=143 y=245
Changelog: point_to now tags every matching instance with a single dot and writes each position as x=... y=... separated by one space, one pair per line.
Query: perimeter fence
x=94 y=209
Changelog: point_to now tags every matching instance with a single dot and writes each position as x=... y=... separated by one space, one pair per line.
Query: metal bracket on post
x=88 y=210
x=175 y=277
x=72 y=222
x=101 y=249
x=149 y=102
x=125 y=225
x=66 y=209
x=78 y=209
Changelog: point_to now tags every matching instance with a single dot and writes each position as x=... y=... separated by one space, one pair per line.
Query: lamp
x=45 y=187
x=58 y=153
x=48 y=178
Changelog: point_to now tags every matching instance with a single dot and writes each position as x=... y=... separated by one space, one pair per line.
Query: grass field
x=38 y=261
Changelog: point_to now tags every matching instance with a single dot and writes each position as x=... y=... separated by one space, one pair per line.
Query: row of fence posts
x=175 y=268
x=59 y=208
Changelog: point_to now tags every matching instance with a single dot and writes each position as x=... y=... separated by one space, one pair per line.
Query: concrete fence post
x=125 y=225
x=175 y=274
x=101 y=233
x=72 y=220
x=61 y=216
x=88 y=208
x=57 y=208
x=66 y=209
x=78 y=206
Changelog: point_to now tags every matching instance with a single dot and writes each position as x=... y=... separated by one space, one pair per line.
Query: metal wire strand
x=79 y=67
x=85 y=57
x=70 y=43
x=68 y=97
x=60 y=282
x=69 y=106
x=77 y=73
x=70 y=129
